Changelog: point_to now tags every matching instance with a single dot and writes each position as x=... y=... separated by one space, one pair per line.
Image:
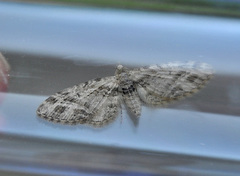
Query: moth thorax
x=126 y=87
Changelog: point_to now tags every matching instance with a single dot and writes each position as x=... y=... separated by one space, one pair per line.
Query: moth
x=97 y=102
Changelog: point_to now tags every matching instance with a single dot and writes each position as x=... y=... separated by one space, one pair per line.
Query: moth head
x=119 y=67
x=119 y=70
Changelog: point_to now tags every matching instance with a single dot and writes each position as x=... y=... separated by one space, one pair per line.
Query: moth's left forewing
x=142 y=73
x=159 y=85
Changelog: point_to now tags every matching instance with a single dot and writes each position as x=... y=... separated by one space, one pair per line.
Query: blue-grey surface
x=128 y=37
x=208 y=125
x=178 y=131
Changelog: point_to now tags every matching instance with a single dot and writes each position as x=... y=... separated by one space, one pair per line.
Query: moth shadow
x=71 y=127
x=55 y=125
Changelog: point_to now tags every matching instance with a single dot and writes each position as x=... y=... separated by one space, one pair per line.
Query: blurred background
x=47 y=46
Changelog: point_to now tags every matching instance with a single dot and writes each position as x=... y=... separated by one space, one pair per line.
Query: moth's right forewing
x=80 y=103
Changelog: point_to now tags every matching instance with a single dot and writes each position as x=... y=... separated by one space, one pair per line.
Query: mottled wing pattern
x=95 y=102
x=159 y=85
